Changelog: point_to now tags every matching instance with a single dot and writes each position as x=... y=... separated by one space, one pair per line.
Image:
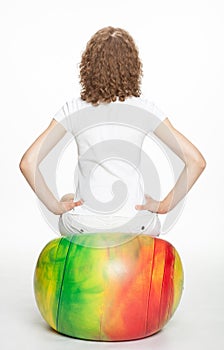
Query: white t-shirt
x=104 y=144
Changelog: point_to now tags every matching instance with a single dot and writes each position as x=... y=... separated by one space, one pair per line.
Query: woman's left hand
x=66 y=203
x=64 y=206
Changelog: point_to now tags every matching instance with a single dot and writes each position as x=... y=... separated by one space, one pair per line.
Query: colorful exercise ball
x=113 y=293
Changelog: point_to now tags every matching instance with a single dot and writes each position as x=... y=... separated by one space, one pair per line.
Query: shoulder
x=151 y=106
x=69 y=107
x=145 y=103
x=157 y=114
x=77 y=104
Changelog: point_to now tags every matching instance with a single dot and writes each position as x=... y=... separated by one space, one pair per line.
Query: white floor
x=197 y=324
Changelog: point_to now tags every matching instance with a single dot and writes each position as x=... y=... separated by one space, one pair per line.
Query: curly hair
x=110 y=67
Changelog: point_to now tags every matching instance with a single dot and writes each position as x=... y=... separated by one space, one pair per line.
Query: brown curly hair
x=110 y=67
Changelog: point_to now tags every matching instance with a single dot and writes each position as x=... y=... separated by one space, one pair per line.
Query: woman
x=110 y=74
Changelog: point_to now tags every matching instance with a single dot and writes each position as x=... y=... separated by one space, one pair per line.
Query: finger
x=80 y=202
x=72 y=205
x=140 y=207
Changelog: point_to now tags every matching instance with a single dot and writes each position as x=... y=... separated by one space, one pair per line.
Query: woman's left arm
x=29 y=166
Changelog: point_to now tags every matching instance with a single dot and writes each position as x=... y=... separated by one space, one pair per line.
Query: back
x=109 y=140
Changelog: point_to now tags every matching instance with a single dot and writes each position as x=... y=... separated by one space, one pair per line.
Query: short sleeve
x=62 y=116
x=157 y=115
x=158 y=112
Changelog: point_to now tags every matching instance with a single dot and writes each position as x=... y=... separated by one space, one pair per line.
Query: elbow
x=197 y=162
x=25 y=164
x=201 y=162
x=22 y=165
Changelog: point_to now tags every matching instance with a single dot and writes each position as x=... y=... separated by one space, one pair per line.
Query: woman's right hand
x=151 y=204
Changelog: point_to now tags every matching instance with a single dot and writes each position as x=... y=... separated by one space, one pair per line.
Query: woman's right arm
x=194 y=163
x=194 y=166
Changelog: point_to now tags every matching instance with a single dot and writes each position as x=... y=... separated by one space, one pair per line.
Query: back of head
x=110 y=67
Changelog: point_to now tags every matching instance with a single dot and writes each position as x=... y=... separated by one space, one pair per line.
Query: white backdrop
x=181 y=47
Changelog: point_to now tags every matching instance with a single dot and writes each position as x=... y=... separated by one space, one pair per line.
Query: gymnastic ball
x=124 y=292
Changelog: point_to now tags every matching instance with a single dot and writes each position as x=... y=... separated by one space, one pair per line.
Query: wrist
x=162 y=208
x=55 y=208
